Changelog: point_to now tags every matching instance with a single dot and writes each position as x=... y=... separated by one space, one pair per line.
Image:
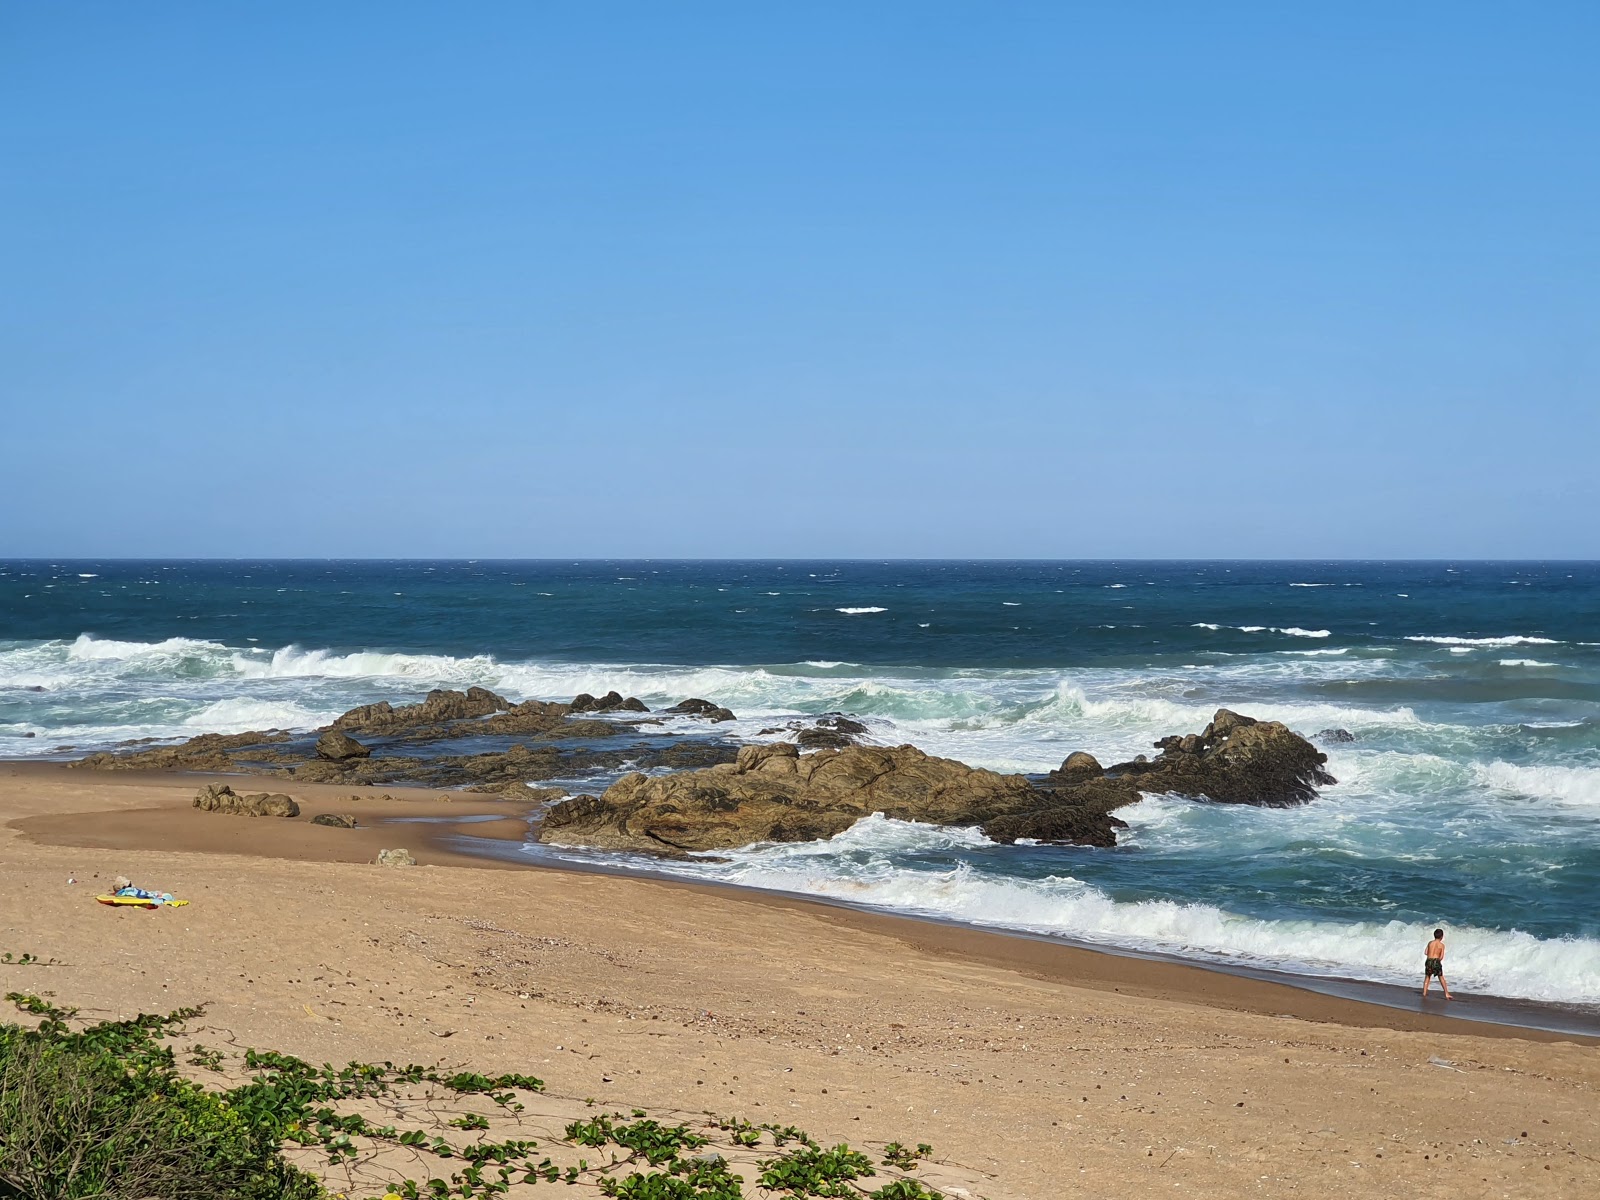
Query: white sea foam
x=1311 y=585
x=1576 y=786
x=856 y=611
x=1513 y=640
x=1524 y=662
x=294 y=662
x=88 y=648
x=1291 y=630
x=864 y=865
x=240 y=715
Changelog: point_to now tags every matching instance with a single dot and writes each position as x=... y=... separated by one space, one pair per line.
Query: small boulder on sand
x=335 y=820
x=219 y=797
x=396 y=858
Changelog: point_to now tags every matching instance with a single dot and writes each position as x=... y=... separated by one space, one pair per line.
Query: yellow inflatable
x=139 y=902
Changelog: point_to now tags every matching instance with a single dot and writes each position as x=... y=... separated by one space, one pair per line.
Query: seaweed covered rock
x=772 y=793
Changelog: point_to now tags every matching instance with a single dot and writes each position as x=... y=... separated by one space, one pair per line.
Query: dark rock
x=30 y=733
x=692 y=706
x=823 y=739
x=840 y=723
x=336 y=747
x=1330 y=737
x=334 y=820
x=582 y=702
x=1062 y=826
x=695 y=707
x=610 y=701
x=633 y=704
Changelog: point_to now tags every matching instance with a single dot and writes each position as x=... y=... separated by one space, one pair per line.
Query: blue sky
x=898 y=279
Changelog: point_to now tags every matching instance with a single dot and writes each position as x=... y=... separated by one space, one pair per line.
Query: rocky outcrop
x=336 y=747
x=1235 y=760
x=208 y=752
x=772 y=793
x=1333 y=737
x=439 y=707
x=219 y=797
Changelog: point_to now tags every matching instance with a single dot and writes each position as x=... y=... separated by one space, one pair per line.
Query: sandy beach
x=1034 y=1070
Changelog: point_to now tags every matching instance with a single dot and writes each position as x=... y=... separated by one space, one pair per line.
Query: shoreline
x=460 y=831
x=1034 y=1069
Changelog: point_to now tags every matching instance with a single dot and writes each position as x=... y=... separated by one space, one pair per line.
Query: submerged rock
x=1331 y=737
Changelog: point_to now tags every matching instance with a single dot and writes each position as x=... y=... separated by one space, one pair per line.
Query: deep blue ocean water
x=1469 y=797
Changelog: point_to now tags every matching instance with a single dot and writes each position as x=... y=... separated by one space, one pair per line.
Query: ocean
x=1469 y=796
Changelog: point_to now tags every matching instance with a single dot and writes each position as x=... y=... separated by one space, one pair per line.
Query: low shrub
x=79 y=1121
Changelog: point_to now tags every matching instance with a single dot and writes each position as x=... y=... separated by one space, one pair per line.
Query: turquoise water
x=1469 y=797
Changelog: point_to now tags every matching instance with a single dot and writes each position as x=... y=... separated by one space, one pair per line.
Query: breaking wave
x=868 y=864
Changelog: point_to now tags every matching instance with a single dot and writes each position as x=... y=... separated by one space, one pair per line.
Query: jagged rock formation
x=772 y=793
x=1236 y=760
x=555 y=745
x=219 y=797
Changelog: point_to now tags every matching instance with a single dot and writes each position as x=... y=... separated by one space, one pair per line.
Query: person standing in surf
x=1433 y=964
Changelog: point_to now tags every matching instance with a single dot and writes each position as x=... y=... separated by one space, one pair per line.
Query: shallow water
x=1469 y=797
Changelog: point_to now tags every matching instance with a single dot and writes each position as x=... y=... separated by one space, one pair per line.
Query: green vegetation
x=809 y=1171
x=101 y=1112
x=896 y=1155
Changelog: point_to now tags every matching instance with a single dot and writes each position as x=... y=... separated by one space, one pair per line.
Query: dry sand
x=1035 y=1070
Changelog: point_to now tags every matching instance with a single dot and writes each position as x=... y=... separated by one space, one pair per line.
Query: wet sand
x=1039 y=1069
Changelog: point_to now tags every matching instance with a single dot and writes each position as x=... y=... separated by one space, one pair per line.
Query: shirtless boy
x=1434 y=964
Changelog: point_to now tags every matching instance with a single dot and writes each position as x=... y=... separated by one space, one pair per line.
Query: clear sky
x=746 y=279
